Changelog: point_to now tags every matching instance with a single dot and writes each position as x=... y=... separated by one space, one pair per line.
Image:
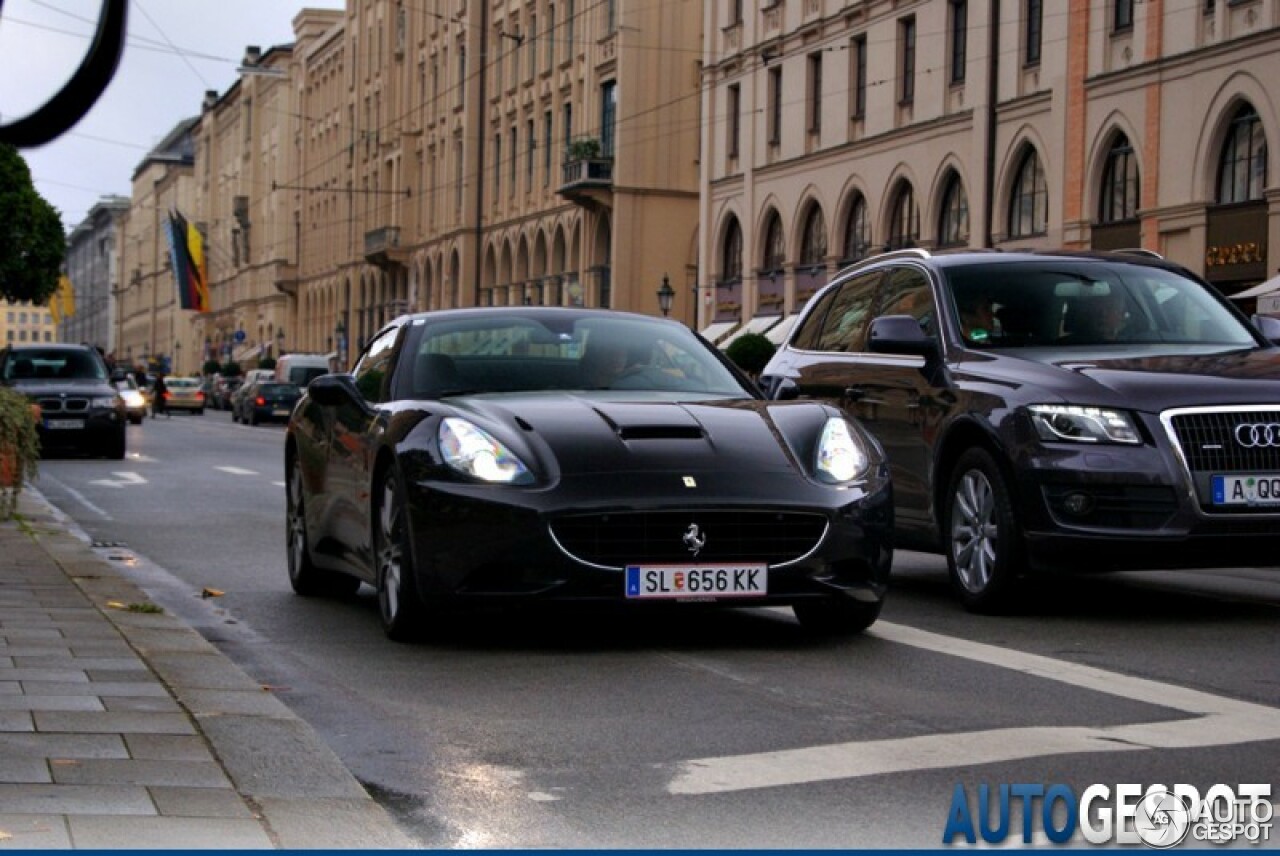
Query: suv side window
x=806 y=338
x=906 y=292
x=845 y=327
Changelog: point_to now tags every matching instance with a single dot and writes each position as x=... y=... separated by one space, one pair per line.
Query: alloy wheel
x=390 y=556
x=974 y=530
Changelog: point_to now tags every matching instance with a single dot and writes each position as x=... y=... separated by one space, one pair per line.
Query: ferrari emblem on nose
x=693 y=539
x=689 y=481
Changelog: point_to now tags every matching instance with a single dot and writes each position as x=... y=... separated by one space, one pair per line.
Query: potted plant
x=751 y=352
x=586 y=148
x=19 y=446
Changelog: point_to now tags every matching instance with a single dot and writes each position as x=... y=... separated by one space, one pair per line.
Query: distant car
x=483 y=456
x=223 y=388
x=80 y=409
x=135 y=401
x=235 y=396
x=267 y=401
x=185 y=393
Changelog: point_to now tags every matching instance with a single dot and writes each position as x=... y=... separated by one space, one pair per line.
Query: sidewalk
x=123 y=728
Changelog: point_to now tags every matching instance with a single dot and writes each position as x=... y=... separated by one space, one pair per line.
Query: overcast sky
x=176 y=50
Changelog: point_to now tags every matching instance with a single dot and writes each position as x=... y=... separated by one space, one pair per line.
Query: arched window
x=1242 y=170
x=813 y=244
x=1029 y=202
x=904 y=228
x=953 y=222
x=1119 y=184
x=731 y=263
x=775 y=249
x=857 y=231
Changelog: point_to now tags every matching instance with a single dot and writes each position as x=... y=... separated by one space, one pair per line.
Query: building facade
x=93 y=267
x=153 y=333
x=25 y=324
x=833 y=130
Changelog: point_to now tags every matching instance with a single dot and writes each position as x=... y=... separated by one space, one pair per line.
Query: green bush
x=19 y=447
x=751 y=352
x=230 y=370
x=211 y=367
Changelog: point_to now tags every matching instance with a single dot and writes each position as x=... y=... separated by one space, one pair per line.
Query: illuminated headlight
x=133 y=398
x=472 y=452
x=1069 y=423
x=104 y=401
x=841 y=457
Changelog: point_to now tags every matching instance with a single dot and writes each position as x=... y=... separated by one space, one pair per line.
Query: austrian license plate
x=1247 y=490
x=697 y=581
x=56 y=424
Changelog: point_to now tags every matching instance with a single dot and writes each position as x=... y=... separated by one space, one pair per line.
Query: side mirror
x=900 y=334
x=1269 y=327
x=333 y=390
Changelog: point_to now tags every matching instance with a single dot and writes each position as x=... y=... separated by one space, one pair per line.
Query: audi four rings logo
x=1258 y=435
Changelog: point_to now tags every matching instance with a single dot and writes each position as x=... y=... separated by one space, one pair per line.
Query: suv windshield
x=1091 y=303
x=53 y=364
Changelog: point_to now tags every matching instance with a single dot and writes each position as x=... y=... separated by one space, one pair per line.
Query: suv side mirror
x=900 y=334
x=1269 y=327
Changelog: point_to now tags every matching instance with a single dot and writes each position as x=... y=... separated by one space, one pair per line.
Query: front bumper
x=482 y=543
x=1112 y=508
x=78 y=431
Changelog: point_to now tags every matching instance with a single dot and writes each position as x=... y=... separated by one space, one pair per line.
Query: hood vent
x=661 y=432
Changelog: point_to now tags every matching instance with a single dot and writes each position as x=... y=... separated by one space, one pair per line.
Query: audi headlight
x=1069 y=423
x=841 y=456
x=472 y=452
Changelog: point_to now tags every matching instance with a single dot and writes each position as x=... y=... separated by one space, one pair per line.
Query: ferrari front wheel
x=399 y=604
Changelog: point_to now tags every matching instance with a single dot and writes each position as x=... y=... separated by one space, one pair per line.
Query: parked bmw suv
x=1052 y=412
x=80 y=410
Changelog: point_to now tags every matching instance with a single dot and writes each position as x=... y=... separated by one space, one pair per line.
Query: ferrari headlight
x=472 y=452
x=841 y=457
x=1069 y=423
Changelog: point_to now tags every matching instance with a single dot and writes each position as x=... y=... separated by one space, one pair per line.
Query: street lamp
x=177 y=355
x=665 y=295
x=340 y=337
x=280 y=342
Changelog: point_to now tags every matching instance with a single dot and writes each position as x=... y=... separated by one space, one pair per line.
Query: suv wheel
x=984 y=540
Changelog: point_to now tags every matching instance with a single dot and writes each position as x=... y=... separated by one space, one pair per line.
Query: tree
x=32 y=242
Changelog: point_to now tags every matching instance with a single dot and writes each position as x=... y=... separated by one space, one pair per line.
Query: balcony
x=286 y=278
x=587 y=175
x=382 y=247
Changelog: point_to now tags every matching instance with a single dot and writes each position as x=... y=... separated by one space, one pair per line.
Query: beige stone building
x=834 y=129
x=152 y=331
x=24 y=324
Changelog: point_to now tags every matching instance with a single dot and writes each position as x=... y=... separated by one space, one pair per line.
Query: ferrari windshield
x=516 y=351
x=1089 y=303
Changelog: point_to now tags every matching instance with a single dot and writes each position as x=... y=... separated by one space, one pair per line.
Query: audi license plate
x=697 y=581
x=64 y=423
x=1247 y=490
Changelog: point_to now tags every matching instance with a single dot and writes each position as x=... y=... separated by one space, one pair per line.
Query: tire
x=401 y=608
x=253 y=417
x=985 y=550
x=136 y=418
x=836 y=616
x=305 y=578
x=115 y=447
x=200 y=412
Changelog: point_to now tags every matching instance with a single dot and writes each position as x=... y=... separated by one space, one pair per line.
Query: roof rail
x=1140 y=251
x=904 y=253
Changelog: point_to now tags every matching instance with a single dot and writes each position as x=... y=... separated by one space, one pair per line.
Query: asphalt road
x=694 y=728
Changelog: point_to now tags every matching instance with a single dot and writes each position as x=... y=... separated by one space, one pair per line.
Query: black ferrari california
x=505 y=455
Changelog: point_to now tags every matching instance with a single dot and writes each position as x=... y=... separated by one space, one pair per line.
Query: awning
x=758 y=324
x=715 y=331
x=247 y=353
x=779 y=334
x=1260 y=289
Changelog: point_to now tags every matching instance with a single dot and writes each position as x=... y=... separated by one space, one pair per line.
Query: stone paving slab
x=199 y=802
x=107 y=722
x=95 y=771
x=76 y=799
x=17 y=771
x=34 y=832
x=168 y=833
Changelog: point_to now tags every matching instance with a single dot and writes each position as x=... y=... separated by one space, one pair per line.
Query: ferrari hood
x=588 y=435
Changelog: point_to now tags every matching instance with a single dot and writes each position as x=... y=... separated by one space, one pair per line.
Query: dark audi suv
x=1052 y=412
x=80 y=411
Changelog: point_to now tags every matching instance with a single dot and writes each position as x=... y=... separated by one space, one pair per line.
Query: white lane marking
x=138 y=456
x=278 y=484
x=78 y=497
x=122 y=480
x=237 y=471
x=1219 y=721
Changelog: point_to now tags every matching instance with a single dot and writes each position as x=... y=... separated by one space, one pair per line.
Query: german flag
x=186 y=251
